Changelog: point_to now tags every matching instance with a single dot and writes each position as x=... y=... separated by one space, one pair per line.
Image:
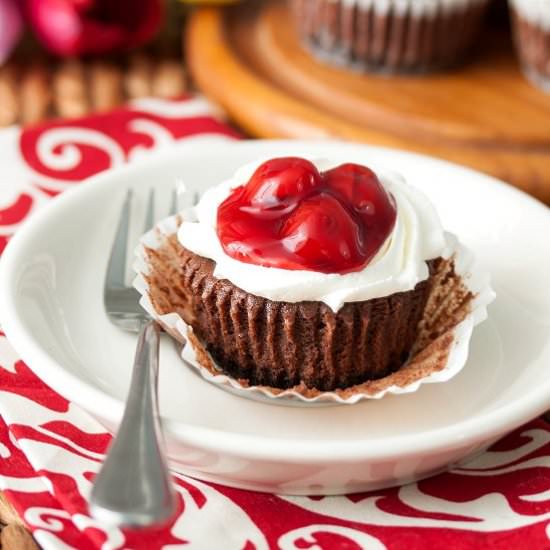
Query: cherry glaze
x=291 y=216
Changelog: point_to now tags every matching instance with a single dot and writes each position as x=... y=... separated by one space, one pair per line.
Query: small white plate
x=51 y=279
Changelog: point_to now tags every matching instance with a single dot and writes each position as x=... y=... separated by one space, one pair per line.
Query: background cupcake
x=531 y=25
x=389 y=35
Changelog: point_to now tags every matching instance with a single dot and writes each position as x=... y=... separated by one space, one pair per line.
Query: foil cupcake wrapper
x=437 y=362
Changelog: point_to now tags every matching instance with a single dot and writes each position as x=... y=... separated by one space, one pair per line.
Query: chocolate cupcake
x=389 y=35
x=282 y=344
x=531 y=26
x=306 y=275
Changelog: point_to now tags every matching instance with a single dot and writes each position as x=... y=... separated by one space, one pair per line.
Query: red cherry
x=280 y=179
x=321 y=234
x=359 y=185
x=291 y=217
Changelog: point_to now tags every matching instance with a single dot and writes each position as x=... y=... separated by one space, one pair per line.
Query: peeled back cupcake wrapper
x=437 y=361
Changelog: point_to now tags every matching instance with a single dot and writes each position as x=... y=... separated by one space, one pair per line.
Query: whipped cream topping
x=398 y=266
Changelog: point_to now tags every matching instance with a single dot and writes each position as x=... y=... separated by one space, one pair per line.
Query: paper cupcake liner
x=531 y=29
x=437 y=361
x=389 y=35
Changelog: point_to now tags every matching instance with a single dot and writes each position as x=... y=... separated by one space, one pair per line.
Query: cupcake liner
x=440 y=355
x=531 y=29
x=389 y=35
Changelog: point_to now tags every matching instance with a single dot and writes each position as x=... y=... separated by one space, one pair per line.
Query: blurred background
x=465 y=80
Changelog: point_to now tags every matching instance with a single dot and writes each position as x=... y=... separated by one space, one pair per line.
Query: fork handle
x=133 y=487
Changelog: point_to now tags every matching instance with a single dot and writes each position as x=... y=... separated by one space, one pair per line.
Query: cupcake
x=531 y=25
x=389 y=35
x=310 y=276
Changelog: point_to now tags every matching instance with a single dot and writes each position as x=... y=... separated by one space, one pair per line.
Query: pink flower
x=77 y=27
x=11 y=25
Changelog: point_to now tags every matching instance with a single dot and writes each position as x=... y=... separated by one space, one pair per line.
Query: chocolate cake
x=532 y=40
x=389 y=35
x=281 y=344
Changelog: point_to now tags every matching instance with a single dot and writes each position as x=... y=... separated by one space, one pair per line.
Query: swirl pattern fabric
x=50 y=449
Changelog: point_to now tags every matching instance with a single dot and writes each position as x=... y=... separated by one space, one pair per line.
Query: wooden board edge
x=267 y=112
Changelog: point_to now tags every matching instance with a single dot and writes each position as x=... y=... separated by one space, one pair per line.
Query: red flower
x=77 y=27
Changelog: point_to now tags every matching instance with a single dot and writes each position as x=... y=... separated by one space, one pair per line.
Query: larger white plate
x=51 y=278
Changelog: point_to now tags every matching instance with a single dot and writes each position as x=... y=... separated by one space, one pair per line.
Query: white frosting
x=415 y=7
x=398 y=266
x=535 y=11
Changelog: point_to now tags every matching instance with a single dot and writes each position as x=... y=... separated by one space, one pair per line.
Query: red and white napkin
x=50 y=449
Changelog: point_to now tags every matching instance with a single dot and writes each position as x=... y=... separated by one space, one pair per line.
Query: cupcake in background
x=531 y=26
x=389 y=35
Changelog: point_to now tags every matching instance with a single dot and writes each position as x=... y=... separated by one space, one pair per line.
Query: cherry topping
x=290 y=216
x=367 y=197
x=319 y=233
x=282 y=179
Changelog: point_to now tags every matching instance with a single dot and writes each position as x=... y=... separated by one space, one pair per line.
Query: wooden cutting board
x=484 y=114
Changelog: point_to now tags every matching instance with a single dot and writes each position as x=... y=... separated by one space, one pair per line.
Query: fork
x=133 y=487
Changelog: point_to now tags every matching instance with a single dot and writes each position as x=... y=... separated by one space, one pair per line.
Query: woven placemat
x=45 y=88
x=13 y=534
x=35 y=86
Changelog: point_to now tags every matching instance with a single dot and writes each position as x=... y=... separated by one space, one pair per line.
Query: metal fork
x=133 y=487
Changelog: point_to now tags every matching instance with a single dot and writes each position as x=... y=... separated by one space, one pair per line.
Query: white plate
x=51 y=278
